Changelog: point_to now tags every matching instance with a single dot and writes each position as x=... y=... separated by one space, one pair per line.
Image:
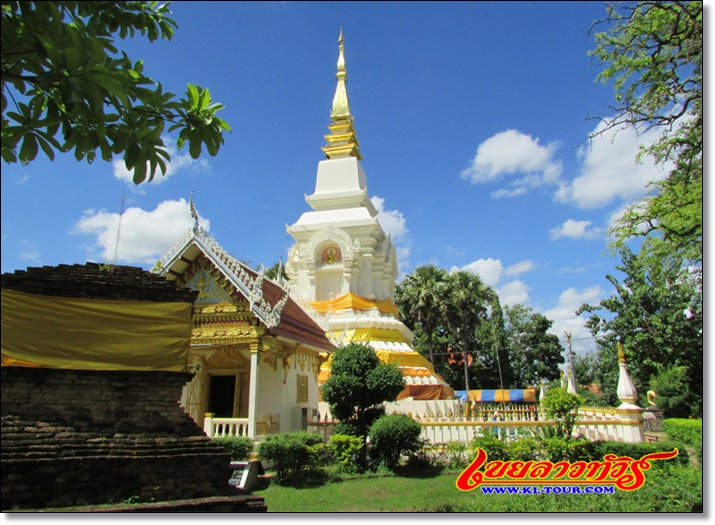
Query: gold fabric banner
x=94 y=334
x=426 y=392
x=352 y=301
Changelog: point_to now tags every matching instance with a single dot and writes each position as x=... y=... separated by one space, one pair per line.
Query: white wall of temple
x=278 y=391
x=271 y=396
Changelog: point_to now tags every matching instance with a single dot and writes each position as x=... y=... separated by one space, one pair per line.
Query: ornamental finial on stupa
x=342 y=141
x=621 y=354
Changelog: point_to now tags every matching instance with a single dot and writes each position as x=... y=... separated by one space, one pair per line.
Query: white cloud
x=144 y=235
x=392 y=221
x=504 y=193
x=178 y=162
x=610 y=171
x=511 y=152
x=30 y=252
x=565 y=319
x=513 y=292
x=521 y=267
x=395 y=224
x=489 y=270
x=575 y=230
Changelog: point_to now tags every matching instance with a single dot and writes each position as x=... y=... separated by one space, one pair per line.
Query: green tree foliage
x=652 y=52
x=358 y=387
x=657 y=312
x=562 y=407
x=422 y=300
x=452 y=312
x=534 y=353
x=674 y=397
x=467 y=305
x=66 y=87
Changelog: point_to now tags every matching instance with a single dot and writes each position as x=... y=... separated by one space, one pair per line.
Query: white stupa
x=343 y=266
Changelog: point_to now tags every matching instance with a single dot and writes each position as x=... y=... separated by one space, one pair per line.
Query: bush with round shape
x=392 y=436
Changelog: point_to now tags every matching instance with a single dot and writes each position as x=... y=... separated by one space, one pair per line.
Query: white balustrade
x=508 y=421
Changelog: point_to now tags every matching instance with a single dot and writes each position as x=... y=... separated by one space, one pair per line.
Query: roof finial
x=342 y=141
x=621 y=354
x=194 y=213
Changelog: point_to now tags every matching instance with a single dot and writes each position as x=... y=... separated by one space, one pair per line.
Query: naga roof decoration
x=251 y=287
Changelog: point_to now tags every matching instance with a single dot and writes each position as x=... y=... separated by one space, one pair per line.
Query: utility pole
x=466 y=372
x=570 y=376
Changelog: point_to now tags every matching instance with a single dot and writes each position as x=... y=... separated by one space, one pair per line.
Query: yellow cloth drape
x=428 y=392
x=355 y=302
x=368 y=335
x=94 y=334
x=407 y=359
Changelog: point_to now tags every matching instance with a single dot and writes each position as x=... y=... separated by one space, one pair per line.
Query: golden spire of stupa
x=342 y=141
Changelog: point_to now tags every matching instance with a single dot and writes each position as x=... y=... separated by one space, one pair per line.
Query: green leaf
x=29 y=149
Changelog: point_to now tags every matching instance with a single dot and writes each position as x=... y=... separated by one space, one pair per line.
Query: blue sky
x=472 y=119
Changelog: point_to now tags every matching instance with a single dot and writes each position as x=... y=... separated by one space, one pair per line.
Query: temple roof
x=280 y=314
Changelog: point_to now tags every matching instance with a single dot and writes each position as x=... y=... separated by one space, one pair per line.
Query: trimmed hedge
x=239 y=447
x=345 y=451
x=689 y=431
x=297 y=455
x=394 y=435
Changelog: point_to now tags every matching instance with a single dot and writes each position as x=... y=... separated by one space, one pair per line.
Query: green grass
x=366 y=494
x=673 y=489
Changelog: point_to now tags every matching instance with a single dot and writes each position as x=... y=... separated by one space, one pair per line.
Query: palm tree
x=468 y=300
x=422 y=298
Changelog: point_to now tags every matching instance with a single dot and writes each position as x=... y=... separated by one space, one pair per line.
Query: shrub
x=638 y=450
x=457 y=456
x=562 y=407
x=297 y=455
x=689 y=431
x=239 y=447
x=394 y=435
x=524 y=449
x=495 y=448
x=345 y=449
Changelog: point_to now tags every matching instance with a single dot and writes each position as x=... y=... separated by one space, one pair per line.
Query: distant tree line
x=455 y=316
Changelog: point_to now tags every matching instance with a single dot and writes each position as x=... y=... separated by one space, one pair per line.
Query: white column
x=253 y=392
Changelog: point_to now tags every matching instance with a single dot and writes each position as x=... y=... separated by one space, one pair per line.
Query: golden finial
x=341 y=106
x=342 y=141
x=621 y=354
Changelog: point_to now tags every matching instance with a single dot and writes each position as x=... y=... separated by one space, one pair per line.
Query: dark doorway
x=221 y=395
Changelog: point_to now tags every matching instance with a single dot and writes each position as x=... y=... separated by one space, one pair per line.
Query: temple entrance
x=222 y=392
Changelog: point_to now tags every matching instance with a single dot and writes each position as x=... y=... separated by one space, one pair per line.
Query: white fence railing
x=239 y=427
x=602 y=424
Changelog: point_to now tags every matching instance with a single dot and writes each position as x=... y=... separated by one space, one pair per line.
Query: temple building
x=255 y=353
x=343 y=267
